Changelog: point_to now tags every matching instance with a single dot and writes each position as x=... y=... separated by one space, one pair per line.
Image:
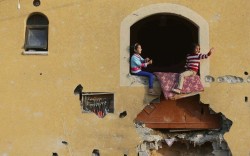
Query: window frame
x=36 y=49
x=126 y=79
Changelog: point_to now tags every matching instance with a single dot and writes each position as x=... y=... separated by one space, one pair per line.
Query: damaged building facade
x=50 y=47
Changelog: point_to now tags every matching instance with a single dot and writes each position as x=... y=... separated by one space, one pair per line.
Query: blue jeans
x=150 y=77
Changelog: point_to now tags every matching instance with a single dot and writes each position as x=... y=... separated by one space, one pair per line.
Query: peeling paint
x=248 y=79
x=227 y=79
x=230 y=79
x=209 y=79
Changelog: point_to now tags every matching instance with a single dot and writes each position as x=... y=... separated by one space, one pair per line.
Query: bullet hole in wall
x=41 y=73
x=65 y=142
x=246 y=73
x=246 y=99
x=123 y=114
x=95 y=152
x=36 y=3
x=209 y=79
x=54 y=154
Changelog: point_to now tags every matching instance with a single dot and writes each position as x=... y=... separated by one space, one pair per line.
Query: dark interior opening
x=187 y=148
x=165 y=38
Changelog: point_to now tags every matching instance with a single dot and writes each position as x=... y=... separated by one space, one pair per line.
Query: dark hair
x=193 y=46
x=136 y=46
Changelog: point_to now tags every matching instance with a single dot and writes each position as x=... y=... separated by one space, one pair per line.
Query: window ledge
x=35 y=52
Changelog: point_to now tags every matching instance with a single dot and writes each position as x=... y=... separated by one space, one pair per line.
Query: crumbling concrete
x=227 y=79
x=149 y=140
x=137 y=79
x=209 y=79
x=221 y=79
x=230 y=79
x=248 y=79
x=211 y=140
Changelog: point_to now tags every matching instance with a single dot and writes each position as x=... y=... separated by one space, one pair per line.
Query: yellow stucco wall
x=38 y=109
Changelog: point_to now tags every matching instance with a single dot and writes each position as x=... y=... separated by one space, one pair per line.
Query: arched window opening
x=166 y=38
x=36 y=37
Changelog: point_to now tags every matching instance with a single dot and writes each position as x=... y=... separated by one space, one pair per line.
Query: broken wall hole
x=65 y=142
x=54 y=154
x=189 y=149
x=209 y=79
x=248 y=79
x=78 y=91
x=100 y=103
x=36 y=3
x=227 y=79
x=96 y=152
x=182 y=127
x=208 y=142
x=230 y=79
x=246 y=99
x=123 y=114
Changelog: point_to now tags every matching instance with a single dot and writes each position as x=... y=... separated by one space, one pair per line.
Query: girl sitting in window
x=137 y=63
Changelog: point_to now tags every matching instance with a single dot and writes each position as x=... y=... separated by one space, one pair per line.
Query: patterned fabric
x=170 y=80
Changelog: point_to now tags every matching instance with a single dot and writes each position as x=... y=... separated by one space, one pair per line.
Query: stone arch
x=125 y=79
